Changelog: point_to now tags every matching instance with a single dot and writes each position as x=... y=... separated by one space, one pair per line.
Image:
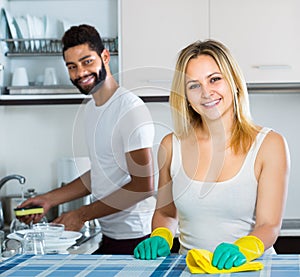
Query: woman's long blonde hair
x=184 y=117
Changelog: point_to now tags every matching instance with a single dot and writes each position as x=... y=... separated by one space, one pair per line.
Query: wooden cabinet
x=263 y=35
x=151 y=35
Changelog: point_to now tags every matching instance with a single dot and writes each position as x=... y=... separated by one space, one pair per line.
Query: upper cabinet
x=151 y=35
x=263 y=35
x=32 y=40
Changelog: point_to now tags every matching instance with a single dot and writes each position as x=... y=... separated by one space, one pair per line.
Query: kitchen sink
x=87 y=234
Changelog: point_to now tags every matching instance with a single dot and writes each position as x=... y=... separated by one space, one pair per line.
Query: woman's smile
x=212 y=103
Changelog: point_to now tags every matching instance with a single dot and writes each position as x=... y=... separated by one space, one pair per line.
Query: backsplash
x=34 y=138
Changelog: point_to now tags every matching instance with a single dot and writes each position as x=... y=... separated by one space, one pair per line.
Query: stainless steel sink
x=87 y=234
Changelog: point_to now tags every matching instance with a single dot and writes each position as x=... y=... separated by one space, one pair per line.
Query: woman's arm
x=272 y=167
x=165 y=214
x=272 y=171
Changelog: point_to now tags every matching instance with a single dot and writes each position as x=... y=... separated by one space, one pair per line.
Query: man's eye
x=71 y=67
x=88 y=61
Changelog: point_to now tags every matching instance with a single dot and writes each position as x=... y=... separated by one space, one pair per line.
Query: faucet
x=10 y=177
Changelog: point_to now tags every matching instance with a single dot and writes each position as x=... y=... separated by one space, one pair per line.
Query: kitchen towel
x=199 y=261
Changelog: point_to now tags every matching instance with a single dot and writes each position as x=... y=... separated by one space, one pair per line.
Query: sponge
x=29 y=210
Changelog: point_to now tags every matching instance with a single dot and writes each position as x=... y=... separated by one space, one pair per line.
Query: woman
x=223 y=179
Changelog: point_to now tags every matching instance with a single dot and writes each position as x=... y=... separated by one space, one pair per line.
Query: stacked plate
x=52 y=245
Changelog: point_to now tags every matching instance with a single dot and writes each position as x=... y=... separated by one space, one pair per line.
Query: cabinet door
x=263 y=35
x=151 y=35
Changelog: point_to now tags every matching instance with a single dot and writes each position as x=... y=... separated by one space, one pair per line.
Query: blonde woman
x=223 y=179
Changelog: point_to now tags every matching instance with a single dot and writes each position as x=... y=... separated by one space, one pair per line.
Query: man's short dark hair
x=82 y=34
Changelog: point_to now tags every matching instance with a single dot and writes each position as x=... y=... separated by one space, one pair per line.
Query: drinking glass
x=2 y=237
x=34 y=243
x=17 y=225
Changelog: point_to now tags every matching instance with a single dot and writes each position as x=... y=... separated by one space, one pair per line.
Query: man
x=119 y=134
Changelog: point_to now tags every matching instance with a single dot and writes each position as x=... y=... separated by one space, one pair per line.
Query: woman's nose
x=206 y=92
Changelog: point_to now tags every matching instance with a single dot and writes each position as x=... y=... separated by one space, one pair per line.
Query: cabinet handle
x=158 y=81
x=272 y=66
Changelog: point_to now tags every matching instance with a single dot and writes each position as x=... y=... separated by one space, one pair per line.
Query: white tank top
x=211 y=213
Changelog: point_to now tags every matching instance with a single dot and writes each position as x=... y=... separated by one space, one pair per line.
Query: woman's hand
x=227 y=255
x=151 y=248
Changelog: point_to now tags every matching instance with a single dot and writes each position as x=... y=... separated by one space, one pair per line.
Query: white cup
x=50 y=77
x=20 y=77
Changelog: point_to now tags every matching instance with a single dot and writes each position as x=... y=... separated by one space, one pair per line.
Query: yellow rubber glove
x=252 y=247
x=164 y=233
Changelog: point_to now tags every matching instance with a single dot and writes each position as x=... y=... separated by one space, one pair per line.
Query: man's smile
x=86 y=80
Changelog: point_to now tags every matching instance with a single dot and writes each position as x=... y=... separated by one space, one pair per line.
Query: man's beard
x=97 y=84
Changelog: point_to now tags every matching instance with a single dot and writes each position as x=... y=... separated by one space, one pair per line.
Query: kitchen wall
x=281 y=112
x=34 y=138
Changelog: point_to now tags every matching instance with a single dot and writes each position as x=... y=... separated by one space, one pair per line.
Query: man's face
x=85 y=67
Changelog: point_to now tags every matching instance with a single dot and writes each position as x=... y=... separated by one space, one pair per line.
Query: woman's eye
x=194 y=86
x=214 y=79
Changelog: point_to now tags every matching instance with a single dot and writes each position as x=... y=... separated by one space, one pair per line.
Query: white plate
x=22 y=29
x=66 y=238
x=60 y=245
x=30 y=29
x=12 y=28
x=51 y=27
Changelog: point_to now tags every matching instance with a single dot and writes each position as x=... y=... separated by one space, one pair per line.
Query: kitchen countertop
x=87 y=247
x=290 y=228
x=127 y=265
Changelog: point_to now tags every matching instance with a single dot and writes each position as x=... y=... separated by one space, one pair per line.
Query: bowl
x=50 y=230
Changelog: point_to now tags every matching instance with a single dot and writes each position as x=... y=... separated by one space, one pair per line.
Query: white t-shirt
x=121 y=125
x=212 y=213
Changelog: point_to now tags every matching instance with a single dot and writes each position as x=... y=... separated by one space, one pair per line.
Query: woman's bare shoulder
x=274 y=142
x=167 y=139
x=165 y=148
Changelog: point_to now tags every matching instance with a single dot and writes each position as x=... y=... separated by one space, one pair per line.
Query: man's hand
x=39 y=200
x=72 y=220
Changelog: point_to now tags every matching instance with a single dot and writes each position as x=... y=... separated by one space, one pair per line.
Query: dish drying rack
x=45 y=46
x=33 y=47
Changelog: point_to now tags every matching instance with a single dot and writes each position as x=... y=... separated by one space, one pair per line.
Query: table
x=125 y=265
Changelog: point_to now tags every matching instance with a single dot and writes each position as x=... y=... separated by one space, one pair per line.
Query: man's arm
x=78 y=188
x=141 y=186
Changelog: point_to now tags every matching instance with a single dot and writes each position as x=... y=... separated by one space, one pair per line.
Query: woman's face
x=207 y=90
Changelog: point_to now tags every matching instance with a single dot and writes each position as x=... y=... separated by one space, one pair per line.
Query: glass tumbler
x=34 y=243
x=2 y=237
x=17 y=225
